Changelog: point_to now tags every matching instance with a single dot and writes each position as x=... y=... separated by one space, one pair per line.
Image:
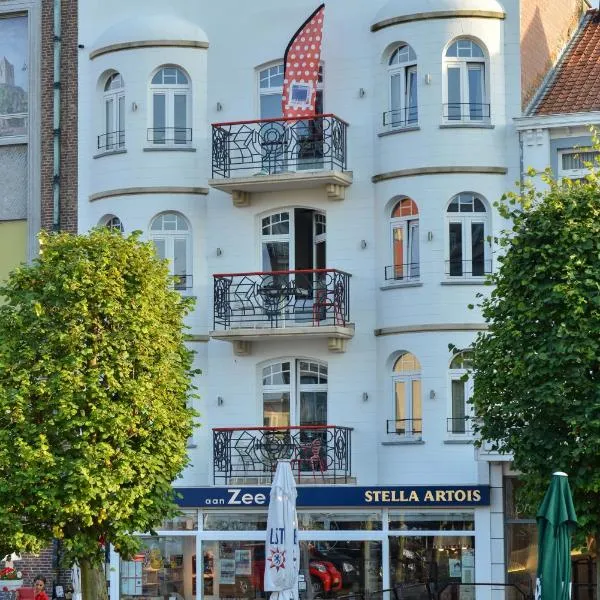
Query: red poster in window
x=301 y=64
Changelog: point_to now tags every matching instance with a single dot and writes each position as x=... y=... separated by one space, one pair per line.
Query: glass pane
x=157 y=79
x=396 y=100
x=180 y=119
x=276 y=409
x=159 y=118
x=407 y=362
x=411 y=95
x=456 y=251
x=277 y=374
x=216 y=520
x=270 y=106
x=181 y=78
x=400 y=400
x=321 y=521
x=521 y=556
x=313 y=408
x=180 y=268
x=276 y=256
x=109 y=120
x=398 y=250
x=452 y=521
x=121 y=121
x=160 y=248
x=164 y=567
x=417 y=414
x=476 y=108
x=458 y=423
x=445 y=563
x=454 y=97
x=452 y=50
x=477 y=249
x=413 y=249
x=187 y=520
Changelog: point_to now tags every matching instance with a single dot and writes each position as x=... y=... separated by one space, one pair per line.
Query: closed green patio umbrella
x=556 y=520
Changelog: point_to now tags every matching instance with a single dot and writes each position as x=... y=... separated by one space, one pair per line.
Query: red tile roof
x=575 y=84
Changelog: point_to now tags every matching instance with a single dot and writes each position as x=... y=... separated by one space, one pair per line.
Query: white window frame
x=113 y=99
x=466 y=112
x=411 y=432
x=403 y=114
x=112 y=222
x=576 y=173
x=181 y=136
x=169 y=237
x=466 y=220
x=409 y=224
x=458 y=375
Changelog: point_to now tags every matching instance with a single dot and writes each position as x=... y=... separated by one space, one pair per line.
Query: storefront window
x=228 y=521
x=322 y=521
x=431 y=521
x=187 y=520
x=235 y=569
x=164 y=568
x=424 y=565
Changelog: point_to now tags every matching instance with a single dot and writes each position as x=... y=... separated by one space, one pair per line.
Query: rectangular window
x=458 y=419
x=121 y=122
x=396 y=118
x=477 y=249
x=398 y=250
x=411 y=95
x=400 y=393
x=476 y=79
x=180 y=264
x=159 y=113
x=413 y=239
x=417 y=416
x=456 y=249
x=454 y=95
x=109 y=118
x=180 y=133
x=276 y=409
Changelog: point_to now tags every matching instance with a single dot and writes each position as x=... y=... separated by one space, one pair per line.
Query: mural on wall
x=14 y=73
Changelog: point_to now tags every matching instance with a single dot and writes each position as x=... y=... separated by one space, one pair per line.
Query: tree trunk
x=93 y=582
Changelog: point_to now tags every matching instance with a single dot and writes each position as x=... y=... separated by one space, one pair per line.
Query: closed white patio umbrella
x=282 y=551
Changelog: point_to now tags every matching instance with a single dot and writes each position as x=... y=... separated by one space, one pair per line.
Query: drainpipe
x=56 y=119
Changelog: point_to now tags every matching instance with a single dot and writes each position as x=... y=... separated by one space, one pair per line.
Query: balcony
x=169 y=136
x=462 y=426
x=249 y=455
x=271 y=305
x=401 y=118
x=114 y=140
x=468 y=269
x=272 y=155
x=407 y=272
x=411 y=429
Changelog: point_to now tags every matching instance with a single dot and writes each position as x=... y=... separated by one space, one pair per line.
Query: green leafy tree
x=94 y=385
x=537 y=367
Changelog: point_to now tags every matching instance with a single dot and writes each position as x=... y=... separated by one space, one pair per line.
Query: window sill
x=459 y=440
x=393 y=285
x=161 y=148
x=467 y=125
x=473 y=281
x=110 y=152
x=14 y=140
x=404 y=442
x=393 y=131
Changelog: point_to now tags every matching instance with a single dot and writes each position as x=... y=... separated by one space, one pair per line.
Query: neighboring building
x=36 y=190
x=333 y=261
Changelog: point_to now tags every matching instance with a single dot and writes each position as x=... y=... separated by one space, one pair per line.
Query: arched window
x=468 y=253
x=114 y=114
x=172 y=237
x=112 y=222
x=466 y=82
x=461 y=388
x=402 y=71
x=170 y=91
x=405 y=241
x=406 y=377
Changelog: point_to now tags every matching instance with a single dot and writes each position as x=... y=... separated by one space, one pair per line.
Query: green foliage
x=94 y=383
x=537 y=368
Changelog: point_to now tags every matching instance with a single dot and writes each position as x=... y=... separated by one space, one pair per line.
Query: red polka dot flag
x=301 y=64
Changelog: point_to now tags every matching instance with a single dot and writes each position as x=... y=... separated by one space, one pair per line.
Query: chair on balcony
x=327 y=303
x=309 y=455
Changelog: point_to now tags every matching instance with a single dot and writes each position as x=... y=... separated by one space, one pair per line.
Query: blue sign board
x=341 y=496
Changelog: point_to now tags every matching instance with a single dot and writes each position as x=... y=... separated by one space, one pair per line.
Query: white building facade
x=333 y=262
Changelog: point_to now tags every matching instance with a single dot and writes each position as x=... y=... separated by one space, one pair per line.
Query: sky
x=13 y=45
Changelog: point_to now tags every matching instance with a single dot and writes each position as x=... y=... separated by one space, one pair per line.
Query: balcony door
x=292 y=240
x=294 y=394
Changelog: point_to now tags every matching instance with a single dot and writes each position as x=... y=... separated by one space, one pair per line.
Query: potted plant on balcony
x=10 y=579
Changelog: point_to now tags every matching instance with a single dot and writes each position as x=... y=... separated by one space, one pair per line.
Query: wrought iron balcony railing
x=459 y=425
x=478 y=267
x=405 y=272
x=112 y=140
x=169 y=135
x=183 y=282
x=406 y=427
x=312 y=297
x=469 y=112
x=401 y=117
x=316 y=452
x=270 y=146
